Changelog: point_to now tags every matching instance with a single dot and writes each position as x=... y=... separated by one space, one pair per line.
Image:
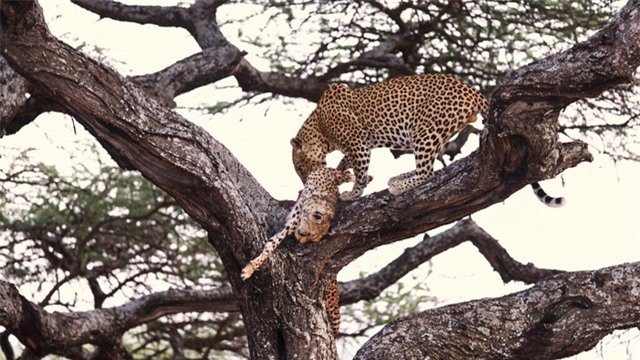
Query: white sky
x=598 y=227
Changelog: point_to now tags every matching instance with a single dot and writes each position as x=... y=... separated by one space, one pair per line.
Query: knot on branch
x=541 y=335
x=561 y=308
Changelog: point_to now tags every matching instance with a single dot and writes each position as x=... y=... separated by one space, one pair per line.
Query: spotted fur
x=417 y=113
x=332 y=304
x=311 y=215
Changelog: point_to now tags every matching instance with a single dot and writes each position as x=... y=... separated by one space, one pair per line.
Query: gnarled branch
x=51 y=332
x=558 y=317
x=509 y=269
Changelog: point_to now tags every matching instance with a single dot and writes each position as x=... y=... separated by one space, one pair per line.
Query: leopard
x=332 y=303
x=415 y=114
x=310 y=217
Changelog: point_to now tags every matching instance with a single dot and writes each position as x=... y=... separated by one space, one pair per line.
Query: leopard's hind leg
x=427 y=145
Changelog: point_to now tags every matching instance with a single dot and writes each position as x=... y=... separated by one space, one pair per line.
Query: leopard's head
x=318 y=202
x=306 y=158
x=315 y=220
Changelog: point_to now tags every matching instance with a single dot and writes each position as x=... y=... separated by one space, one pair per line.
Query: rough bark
x=21 y=104
x=12 y=90
x=197 y=70
x=200 y=20
x=281 y=304
x=519 y=144
x=558 y=317
x=45 y=333
x=24 y=319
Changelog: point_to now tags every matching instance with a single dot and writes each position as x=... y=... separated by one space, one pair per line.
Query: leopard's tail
x=332 y=303
x=546 y=199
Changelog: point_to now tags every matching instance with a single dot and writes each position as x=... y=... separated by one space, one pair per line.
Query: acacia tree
x=112 y=234
x=563 y=314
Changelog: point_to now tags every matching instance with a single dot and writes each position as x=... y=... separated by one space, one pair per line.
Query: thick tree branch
x=185 y=161
x=519 y=145
x=190 y=73
x=607 y=60
x=201 y=69
x=200 y=21
x=160 y=304
x=251 y=79
x=197 y=70
x=44 y=332
x=148 y=308
x=181 y=158
x=13 y=90
x=19 y=106
x=558 y=317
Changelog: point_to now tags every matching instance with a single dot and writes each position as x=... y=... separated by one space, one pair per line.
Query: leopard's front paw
x=247 y=272
x=401 y=177
x=350 y=195
x=398 y=187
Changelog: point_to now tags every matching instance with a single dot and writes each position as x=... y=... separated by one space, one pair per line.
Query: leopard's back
x=391 y=110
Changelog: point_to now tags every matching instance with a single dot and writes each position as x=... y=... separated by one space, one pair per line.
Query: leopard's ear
x=296 y=143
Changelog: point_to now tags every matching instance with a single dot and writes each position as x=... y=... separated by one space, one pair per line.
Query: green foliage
x=476 y=40
x=113 y=226
x=95 y=235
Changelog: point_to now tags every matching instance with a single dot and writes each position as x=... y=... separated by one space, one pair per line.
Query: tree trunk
x=190 y=165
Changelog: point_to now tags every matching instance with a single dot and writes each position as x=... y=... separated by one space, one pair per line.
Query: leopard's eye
x=317 y=216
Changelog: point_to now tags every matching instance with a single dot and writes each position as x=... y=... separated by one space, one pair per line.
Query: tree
x=281 y=305
x=114 y=234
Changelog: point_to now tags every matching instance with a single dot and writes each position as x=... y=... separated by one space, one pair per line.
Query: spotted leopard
x=417 y=113
x=311 y=215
